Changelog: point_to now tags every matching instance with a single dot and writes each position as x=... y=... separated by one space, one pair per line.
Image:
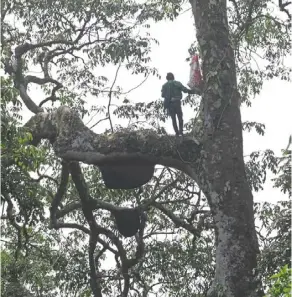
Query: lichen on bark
x=223 y=178
x=120 y=151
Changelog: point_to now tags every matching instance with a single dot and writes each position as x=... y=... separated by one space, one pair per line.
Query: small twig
x=139 y=85
x=104 y=119
x=152 y=200
x=236 y=10
x=176 y=201
x=110 y=97
x=176 y=220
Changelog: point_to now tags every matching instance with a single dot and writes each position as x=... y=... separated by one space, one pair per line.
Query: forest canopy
x=128 y=209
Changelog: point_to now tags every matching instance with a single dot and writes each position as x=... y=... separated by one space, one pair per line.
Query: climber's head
x=169 y=76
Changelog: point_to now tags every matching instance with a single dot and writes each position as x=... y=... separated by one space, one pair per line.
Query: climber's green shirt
x=173 y=89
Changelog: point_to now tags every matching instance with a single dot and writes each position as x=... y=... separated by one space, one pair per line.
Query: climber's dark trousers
x=175 y=110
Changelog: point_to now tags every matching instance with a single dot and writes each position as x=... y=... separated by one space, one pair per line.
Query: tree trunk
x=216 y=164
x=223 y=179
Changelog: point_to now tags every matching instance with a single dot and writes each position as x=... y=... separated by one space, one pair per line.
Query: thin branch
x=176 y=220
x=4 y=10
x=140 y=250
x=107 y=246
x=42 y=176
x=12 y=221
x=110 y=97
x=16 y=70
x=175 y=201
x=104 y=119
x=236 y=8
x=139 y=85
x=140 y=243
x=59 y=225
x=92 y=204
x=283 y=8
x=67 y=20
x=151 y=201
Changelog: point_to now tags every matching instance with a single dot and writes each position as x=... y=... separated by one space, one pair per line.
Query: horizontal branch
x=82 y=228
x=73 y=141
x=40 y=81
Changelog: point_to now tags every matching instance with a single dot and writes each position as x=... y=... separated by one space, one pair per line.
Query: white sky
x=272 y=107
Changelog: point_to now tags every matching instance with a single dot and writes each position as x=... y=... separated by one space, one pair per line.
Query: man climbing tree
x=172 y=94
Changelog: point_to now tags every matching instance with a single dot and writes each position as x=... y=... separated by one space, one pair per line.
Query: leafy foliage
x=283 y=181
x=257 y=166
x=262 y=40
x=281 y=283
x=260 y=128
x=71 y=43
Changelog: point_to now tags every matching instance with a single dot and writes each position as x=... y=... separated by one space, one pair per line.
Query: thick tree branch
x=27 y=100
x=40 y=81
x=15 y=68
x=72 y=226
x=95 y=285
x=73 y=141
x=60 y=193
x=95 y=229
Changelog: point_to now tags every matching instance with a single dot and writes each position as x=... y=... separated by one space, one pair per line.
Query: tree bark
x=216 y=164
x=223 y=177
x=72 y=140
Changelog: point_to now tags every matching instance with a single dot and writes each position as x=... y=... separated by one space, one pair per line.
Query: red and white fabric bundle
x=195 y=73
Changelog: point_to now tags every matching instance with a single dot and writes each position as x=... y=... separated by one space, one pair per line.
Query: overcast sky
x=272 y=107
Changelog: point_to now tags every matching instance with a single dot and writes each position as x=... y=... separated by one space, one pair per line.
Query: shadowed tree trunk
x=223 y=177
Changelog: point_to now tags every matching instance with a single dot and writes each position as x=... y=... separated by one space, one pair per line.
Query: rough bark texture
x=224 y=180
x=217 y=164
x=72 y=140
